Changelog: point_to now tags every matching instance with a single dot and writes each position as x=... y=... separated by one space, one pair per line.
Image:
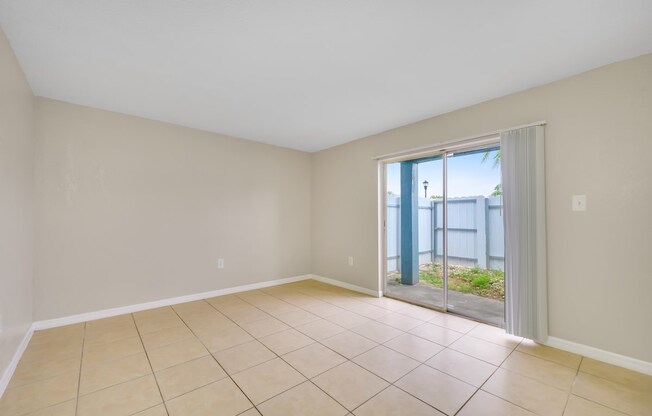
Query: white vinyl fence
x=475 y=232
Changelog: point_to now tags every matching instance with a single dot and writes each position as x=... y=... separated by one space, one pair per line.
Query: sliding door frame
x=445 y=151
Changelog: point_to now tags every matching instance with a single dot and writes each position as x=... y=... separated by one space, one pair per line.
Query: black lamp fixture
x=425 y=189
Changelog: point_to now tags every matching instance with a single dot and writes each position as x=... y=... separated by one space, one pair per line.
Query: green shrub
x=481 y=282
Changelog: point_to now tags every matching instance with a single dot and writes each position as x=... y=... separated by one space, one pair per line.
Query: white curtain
x=526 y=300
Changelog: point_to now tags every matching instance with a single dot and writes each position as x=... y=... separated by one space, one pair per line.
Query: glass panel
x=475 y=235
x=428 y=184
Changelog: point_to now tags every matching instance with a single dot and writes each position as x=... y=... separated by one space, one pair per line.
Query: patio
x=491 y=311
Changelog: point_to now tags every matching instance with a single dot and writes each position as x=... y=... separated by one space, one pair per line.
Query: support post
x=409 y=224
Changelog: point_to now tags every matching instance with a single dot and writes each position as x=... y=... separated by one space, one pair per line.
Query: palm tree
x=496 y=158
x=498 y=189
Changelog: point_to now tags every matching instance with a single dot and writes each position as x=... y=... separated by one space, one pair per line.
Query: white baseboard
x=9 y=371
x=107 y=313
x=374 y=293
x=601 y=355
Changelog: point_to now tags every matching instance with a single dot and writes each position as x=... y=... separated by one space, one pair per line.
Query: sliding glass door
x=444 y=232
x=475 y=246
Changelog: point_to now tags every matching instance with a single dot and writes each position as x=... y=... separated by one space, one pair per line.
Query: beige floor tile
x=435 y=333
x=454 y=322
x=320 y=329
x=305 y=400
x=31 y=371
x=481 y=349
x=349 y=344
x=222 y=398
x=176 y=353
x=551 y=354
x=218 y=340
x=350 y=384
x=547 y=372
x=121 y=399
x=527 y=393
x=495 y=335
x=398 y=321
x=485 y=404
x=578 y=406
x=182 y=378
x=286 y=341
x=418 y=312
x=108 y=373
x=377 y=331
x=443 y=392
x=58 y=333
x=112 y=350
x=386 y=363
x=267 y=380
x=366 y=310
x=41 y=394
x=296 y=318
x=385 y=303
x=162 y=312
x=158 y=410
x=264 y=327
x=635 y=402
x=415 y=347
x=193 y=308
x=53 y=351
x=166 y=336
x=395 y=402
x=323 y=309
x=466 y=368
x=347 y=319
x=114 y=333
x=250 y=412
x=617 y=374
x=244 y=313
x=313 y=359
x=149 y=325
x=111 y=322
x=243 y=356
x=277 y=308
x=63 y=409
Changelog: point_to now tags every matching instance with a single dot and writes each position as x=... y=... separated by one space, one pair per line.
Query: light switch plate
x=579 y=202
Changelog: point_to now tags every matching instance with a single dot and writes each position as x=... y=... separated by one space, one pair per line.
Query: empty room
x=325 y=208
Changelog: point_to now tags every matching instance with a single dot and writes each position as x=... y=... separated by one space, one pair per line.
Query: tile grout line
x=309 y=380
x=211 y=355
x=350 y=360
x=150 y=365
x=81 y=364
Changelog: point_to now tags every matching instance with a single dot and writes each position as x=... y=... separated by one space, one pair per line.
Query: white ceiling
x=309 y=74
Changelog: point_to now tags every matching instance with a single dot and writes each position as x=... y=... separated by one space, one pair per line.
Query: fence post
x=481 y=231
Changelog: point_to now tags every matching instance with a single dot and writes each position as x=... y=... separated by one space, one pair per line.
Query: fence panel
x=475 y=232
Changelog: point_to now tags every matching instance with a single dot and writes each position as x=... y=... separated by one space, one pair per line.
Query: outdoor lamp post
x=425 y=189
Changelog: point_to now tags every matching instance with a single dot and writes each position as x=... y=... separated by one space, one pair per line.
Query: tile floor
x=308 y=349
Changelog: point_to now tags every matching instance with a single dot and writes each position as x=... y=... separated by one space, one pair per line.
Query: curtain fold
x=526 y=300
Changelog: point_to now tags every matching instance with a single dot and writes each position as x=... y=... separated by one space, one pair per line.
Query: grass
x=482 y=282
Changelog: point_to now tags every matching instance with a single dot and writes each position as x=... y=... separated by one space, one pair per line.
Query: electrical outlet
x=350 y=260
x=579 y=202
x=220 y=263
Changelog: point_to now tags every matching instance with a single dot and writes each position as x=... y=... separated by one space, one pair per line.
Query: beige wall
x=131 y=210
x=598 y=143
x=16 y=203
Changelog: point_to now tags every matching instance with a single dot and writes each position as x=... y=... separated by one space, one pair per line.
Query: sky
x=467 y=176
